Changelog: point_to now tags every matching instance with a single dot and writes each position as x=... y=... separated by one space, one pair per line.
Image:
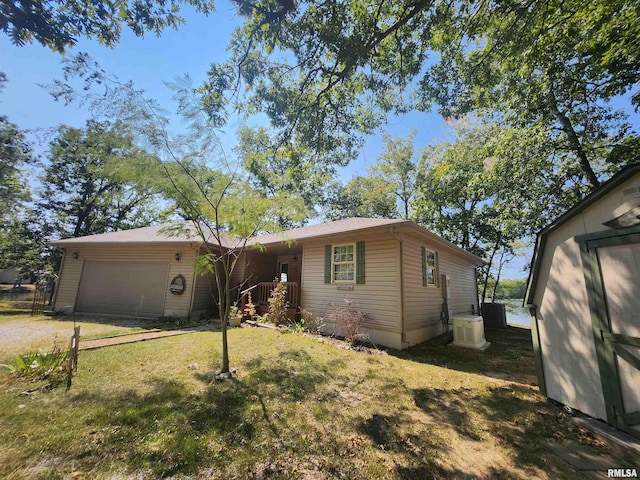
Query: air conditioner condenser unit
x=468 y=332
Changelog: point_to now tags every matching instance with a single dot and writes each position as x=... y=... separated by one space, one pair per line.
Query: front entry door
x=613 y=267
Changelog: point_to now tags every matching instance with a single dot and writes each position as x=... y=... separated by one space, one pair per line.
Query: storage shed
x=584 y=297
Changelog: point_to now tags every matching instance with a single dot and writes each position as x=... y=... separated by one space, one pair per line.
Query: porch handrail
x=247 y=290
x=267 y=287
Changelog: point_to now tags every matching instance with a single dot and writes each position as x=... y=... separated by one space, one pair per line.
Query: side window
x=343 y=263
x=429 y=267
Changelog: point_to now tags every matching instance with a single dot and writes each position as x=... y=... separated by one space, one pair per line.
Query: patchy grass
x=20 y=332
x=298 y=408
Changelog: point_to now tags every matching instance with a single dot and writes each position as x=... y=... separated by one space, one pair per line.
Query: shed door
x=620 y=270
x=123 y=288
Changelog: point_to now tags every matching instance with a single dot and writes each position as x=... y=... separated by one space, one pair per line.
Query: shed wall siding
x=563 y=317
x=564 y=324
x=378 y=297
x=72 y=270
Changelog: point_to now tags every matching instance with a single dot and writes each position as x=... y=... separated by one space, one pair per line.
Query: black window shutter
x=360 y=262
x=424 y=266
x=327 y=264
x=437 y=271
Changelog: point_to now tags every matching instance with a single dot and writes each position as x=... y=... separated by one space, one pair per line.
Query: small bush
x=309 y=321
x=250 y=308
x=37 y=366
x=348 y=318
x=278 y=304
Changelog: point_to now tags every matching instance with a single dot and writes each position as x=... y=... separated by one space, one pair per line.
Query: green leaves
x=87 y=186
x=58 y=24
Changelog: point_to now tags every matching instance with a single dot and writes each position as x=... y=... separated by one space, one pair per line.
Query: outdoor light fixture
x=178 y=257
x=75 y=255
x=295 y=258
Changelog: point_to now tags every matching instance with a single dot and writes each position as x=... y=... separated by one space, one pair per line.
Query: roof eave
x=541 y=239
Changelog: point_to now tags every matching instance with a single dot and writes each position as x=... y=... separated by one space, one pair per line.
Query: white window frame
x=333 y=262
x=433 y=268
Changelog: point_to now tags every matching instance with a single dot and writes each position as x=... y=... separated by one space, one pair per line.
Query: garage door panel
x=123 y=288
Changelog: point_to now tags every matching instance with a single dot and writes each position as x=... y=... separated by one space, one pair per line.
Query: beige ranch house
x=583 y=294
x=405 y=278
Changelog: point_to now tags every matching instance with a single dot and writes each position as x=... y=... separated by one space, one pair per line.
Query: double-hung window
x=343 y=263
x=429 y=267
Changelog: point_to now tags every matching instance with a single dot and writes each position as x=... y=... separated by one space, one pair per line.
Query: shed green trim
x=600 y=324
x=607 y=343
x=537 y=351
x=541 y=240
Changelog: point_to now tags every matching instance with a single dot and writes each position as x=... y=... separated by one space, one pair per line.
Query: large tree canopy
x=57 y=24
x=491 y=187
x=326 y=72
x=86 y=189
x=15 y=154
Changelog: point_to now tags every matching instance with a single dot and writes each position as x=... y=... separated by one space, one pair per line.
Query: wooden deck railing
x=264 y=292
x=265 y=289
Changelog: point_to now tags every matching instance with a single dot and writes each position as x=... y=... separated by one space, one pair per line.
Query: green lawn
x=299 y=407
x=20 y=332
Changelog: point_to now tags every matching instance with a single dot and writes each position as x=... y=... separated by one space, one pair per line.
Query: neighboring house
x=395 y=271
x=8 y=275
x=583 y=294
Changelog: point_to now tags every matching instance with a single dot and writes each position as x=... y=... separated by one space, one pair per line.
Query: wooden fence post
x=73 y=354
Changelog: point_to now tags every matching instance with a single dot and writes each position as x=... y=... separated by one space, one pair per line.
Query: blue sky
x=150 y=61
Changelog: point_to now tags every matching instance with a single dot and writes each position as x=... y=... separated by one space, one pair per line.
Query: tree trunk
x=495 y=286
x=575 y=144
x=223 y=307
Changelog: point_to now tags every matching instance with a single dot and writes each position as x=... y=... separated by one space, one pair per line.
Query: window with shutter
x=344 y=263
x=429 y=267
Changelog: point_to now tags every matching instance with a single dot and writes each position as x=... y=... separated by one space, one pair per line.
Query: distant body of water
x=516 y=313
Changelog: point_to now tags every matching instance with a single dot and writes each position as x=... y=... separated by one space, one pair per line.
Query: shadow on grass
x=510 y=356
x=521 y=421
x=171 y=431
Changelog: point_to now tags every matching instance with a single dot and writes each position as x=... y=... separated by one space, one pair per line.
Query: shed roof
x=541 y=240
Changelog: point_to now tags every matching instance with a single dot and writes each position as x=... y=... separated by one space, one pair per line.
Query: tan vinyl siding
x=378 y=297
x=71 y=271
x=68 y=282
x=463 y=286
x=203 y=302
x=202 y=299
x=254 y=266
x=422 y=304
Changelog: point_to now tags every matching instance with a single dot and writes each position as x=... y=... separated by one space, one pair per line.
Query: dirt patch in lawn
x=21 y=332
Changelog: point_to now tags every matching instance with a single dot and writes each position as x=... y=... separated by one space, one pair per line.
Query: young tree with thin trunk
x=192 y=171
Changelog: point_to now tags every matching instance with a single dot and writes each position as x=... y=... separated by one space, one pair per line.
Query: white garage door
x=123 y=288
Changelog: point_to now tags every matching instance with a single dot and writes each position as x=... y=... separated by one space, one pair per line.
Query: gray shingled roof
x=323 y=229
x=159 y=234
x=163 y=233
